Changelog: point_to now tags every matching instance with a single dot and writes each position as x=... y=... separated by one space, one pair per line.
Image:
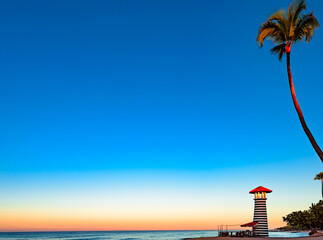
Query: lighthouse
x=260 y=212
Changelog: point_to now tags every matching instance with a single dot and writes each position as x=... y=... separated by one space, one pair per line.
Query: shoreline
x=260 y=238
x=313 y=237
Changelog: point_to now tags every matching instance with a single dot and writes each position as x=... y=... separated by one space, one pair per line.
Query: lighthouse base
x=260 y=216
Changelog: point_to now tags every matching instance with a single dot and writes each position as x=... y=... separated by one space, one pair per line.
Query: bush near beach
x=311 y=219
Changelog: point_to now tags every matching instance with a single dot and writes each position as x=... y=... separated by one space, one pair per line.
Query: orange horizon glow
x=19 y=223
x=138 y=204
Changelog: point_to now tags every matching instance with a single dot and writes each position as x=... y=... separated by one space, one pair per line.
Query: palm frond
x=290 y=14
x=280 y=18
x=278 y=15
x=319 y=176
x=279 y=50
x=294 y=10
x=305 y=27
x=299 y=7
x=270 y=30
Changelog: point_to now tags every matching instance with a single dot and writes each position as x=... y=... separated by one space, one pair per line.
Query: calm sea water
x=131 y=235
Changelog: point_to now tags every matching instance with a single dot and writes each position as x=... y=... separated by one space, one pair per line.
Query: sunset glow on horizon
x=152 y=115
x=151 y=200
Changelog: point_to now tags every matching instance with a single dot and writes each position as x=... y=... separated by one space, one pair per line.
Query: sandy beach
x=237 y=238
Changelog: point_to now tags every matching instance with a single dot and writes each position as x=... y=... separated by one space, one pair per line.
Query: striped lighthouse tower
x=260 y=212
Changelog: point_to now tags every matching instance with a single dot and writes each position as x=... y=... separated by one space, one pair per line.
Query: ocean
x=124 y=235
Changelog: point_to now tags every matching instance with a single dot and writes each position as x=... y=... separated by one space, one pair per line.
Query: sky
x=140 y=115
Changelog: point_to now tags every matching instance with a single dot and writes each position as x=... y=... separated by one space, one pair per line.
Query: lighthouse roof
x=260 y=189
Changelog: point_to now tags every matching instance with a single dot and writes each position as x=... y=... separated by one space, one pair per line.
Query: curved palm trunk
x=300 y=114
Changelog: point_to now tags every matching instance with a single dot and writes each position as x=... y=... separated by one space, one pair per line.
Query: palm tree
x=285 y=29
x=320 y=177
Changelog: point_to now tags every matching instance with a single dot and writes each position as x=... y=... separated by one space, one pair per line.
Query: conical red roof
x=260 y=189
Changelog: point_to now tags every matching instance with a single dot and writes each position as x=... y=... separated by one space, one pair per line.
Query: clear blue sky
x=162 y=86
